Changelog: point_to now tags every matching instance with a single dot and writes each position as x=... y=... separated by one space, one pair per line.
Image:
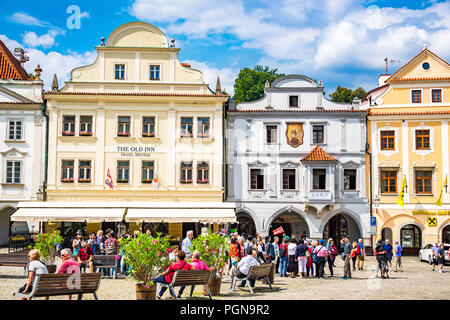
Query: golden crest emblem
x=294 y=134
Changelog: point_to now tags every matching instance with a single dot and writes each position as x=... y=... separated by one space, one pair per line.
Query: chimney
x=55 y=83
x=218 y=87
x=382 y=79
x=356 y=103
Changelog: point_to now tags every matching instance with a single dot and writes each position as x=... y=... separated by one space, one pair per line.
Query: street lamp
x=376 y=203
x=40 y=194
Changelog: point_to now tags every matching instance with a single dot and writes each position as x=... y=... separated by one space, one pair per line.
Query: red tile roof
x=409 y=113
x=317 y=154
x=10 y=68
x=421 y=79
x=134 y=94
x=296 y=110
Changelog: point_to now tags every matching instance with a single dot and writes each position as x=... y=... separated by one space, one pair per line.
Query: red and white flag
x=109 y=180
x=278 y=231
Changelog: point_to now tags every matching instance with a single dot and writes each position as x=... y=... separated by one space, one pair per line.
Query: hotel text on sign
x=136 y=151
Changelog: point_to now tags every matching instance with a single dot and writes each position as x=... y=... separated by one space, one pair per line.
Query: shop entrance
x=410 y=239
x=446 y=234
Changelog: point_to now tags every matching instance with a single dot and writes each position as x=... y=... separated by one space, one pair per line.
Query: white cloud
x=26 y=19
x=46 y=40
x=51 y=62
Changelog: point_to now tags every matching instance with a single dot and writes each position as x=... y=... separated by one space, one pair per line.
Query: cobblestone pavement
x=416 y=282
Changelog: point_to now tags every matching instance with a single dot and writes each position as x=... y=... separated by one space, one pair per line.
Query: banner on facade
x=294 y=134
x=439 y=200
x=278 y=231
x=401 y=196
x=108 y=180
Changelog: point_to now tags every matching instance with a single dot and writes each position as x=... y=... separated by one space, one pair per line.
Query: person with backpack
x=320 y=255
x=300 y=257
x=355 y=252
x=332 y=253
x=284 y=257
x=380 y=254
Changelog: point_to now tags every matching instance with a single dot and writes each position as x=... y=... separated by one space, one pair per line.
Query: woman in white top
x=293 y=265
x=35 y=267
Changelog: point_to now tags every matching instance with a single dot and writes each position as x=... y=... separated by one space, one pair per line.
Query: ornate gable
x=13 y=153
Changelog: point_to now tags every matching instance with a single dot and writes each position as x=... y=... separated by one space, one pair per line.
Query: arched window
x=411 y=236
x=446 y=234
x=386 y=234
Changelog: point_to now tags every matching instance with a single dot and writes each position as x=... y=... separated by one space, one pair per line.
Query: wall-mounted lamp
x=376 y=203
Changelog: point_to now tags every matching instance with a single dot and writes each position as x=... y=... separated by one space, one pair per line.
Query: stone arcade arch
x=292 y=222
x=340 y=225
x=5 y=224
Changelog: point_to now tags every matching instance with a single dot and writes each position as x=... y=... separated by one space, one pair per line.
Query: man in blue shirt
x=435 y=250
x=398 y=257
x=388 y=248
x=187 y=243
x=360 y=256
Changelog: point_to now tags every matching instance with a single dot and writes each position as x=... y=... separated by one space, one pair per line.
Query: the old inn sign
x=136 y=151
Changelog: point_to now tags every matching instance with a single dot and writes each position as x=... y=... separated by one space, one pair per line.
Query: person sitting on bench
x=243 y=268
x=85 y=257
x=35 y=267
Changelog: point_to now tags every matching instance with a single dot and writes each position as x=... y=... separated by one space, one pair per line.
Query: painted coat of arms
x=294 y=134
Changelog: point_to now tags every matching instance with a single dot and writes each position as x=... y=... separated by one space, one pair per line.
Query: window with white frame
x=256 y=179
x=318 y=131
x=120 y=71
x=13 y=171
x=123 y=126
x=84 y=171
x=349 y=179
x=271 y=133
x=148 y=168
x=203 y=127
x=68 y=125
x=203 y=172
x=289 y=179
x=186 y=172
x=186 y=127
x=15 y=130
x=319 y=179
x=85 y=126
x=154 y=72
x=148 y=126
x=67 y=171
x=123 y=171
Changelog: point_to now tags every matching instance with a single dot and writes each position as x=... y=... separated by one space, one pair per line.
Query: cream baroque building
x=148 y=120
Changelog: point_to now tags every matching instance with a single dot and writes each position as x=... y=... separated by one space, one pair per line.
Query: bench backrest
x=62 y=284
x=191 y=277
x=10 y=258
x=103 y=260
x=259 y=271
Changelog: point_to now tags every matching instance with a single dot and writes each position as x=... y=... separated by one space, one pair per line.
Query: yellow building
x=148 y=120
x=408 y=132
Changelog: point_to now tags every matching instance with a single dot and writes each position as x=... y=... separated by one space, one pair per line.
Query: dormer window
x=293 y=101
x=154 y=72
x=120 y=72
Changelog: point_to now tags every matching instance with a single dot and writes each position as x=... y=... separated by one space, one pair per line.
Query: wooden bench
x=47 y=285
x=256 y=272
x=105 y=262
x=15 y=260
x=189 y=278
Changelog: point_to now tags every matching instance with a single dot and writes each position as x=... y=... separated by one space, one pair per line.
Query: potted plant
x=68 y=133
x=148 y=134
x=123 y=134
x=147 y=180
x=86 y=133
x=84 y=180
x=147 y=257
x=46 y=243
x=213 y=250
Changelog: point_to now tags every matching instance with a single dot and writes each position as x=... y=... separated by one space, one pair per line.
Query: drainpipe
x=370 y=179
x=44 y=186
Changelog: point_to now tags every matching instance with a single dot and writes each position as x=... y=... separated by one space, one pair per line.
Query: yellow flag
x=401 y=196
x=439 y=200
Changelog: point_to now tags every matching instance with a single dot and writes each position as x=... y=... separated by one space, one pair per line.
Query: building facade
x=408 y=132
x=22 y=141
x=136 y=131
x=297 y=160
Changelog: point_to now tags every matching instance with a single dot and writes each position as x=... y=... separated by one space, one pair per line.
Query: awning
x=210 y=215
x=69 y=214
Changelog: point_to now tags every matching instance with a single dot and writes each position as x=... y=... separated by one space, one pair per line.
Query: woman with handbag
x=320 y=254
x=293 y=266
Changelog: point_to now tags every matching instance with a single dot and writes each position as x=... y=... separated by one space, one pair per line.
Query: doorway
x=446 y=234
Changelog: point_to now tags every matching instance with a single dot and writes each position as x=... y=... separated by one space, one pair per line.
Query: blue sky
x=341 y=42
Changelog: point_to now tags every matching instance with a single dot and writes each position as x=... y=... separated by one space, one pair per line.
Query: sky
x=341 y=42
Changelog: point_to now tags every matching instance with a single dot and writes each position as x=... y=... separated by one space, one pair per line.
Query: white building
x=296 y=159
x=22 y=141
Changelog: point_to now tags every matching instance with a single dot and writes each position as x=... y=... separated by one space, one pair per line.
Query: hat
x=287 y=237
x=80 y=232
x=321 y=241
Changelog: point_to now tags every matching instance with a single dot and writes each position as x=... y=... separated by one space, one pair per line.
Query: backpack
x=314 y=255
x=282 y=251
x=110 y=248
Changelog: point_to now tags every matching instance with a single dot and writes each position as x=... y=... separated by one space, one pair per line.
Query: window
x=123 y=171
x=388 y=181
x=186 y=172
x=84 y=175
x=288 y=179
x=67 y=171
x=13 y=172
x=423 y=181
x=85 y=125
x=15 y=130
x=124 y=124
x=203 y=172
x=68 y=126
x=387 y=140
x=257 y=179
x=148 y=126
x=148 y=168
x=422 y=139
x=154 y=72
x=349 y=179
x=120 y=72
x=319 y=179
x=271 y=134
x=293 y=101
x=203 y=127
x=436 y=95
x=186 y=127
x=318 y=136
x=416 y=96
